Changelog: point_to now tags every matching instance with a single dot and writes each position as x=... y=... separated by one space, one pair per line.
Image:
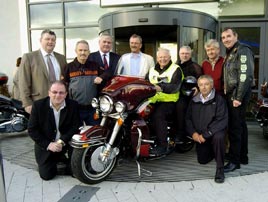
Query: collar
x=102 y=53
x=198 y=97
x=228 y=51
x=158 y=69
x=44 y=53
x=205 y=99
x=60 y=108
x=214 y=61
x=135 y=55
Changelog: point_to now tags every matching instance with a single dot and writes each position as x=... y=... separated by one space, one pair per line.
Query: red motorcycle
x=124 y=131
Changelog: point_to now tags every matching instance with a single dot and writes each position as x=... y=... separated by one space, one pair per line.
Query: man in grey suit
x=135 y=63
x=39 y=69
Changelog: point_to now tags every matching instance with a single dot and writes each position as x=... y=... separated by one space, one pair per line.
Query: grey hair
x=212 y=43
x=136 y=36
x=188 y=48
x=105 y=35
x=208 y=77
x=163 y=50
x=83 y=42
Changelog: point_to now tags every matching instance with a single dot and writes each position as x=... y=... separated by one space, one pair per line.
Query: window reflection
x=76 y=34
x=45 y=15
x=83 y=12
x=250 y=36
x=35 y=39
x=196 y=38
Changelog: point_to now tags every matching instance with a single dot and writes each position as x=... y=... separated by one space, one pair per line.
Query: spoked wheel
x=88 y=167
x=265 y=131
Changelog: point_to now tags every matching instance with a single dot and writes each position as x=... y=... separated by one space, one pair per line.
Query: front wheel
x=87 y=166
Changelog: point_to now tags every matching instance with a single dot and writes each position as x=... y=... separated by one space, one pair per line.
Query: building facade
x=162 y=23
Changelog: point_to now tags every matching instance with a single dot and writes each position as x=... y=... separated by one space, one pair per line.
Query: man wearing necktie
x=106 y=59
x=36 y=70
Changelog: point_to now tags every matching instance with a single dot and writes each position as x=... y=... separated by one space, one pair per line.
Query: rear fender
x=90 y=136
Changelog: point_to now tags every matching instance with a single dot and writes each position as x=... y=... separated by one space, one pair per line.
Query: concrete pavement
x=23 y=183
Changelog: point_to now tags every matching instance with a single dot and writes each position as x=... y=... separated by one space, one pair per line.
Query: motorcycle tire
x=265 y=131
x=184 y=146
x=82 y=168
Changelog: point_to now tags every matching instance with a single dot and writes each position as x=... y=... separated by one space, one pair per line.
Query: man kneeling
x=53 y=122
x=206 y=121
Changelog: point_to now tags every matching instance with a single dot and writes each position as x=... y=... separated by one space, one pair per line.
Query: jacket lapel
x=63 y=114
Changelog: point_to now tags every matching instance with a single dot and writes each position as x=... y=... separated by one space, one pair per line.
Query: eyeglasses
x=58 y=92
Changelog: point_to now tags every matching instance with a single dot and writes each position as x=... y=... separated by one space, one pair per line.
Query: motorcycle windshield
x=123 y=71
x=130 y=90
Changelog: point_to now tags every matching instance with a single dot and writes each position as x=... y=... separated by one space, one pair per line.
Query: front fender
x=89 y=136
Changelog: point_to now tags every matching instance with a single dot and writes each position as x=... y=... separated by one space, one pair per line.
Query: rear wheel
x=88 y=168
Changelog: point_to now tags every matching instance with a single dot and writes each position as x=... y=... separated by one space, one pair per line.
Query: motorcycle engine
x=10 y=122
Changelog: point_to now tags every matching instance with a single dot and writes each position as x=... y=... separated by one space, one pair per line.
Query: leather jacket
x=238 y=71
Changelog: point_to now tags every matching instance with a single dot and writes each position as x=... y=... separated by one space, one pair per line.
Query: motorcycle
x=124 y=131
x=13 y=118
x=260 y=110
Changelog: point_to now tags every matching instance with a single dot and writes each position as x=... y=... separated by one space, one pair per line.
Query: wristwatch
x=59 y=141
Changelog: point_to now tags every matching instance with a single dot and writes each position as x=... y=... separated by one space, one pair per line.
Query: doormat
x=79 y=194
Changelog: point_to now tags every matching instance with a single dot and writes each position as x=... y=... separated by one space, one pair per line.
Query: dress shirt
x=135 y=60
x=54 y=62
x=205 y=99
x=57 y=118
x=107 y=57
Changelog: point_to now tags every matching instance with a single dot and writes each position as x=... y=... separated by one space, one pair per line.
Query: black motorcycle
x=260 y=110
x=13 y=118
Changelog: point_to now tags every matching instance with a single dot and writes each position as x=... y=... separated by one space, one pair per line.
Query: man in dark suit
x=53 y=122
x=107 y=69
x=35 y=75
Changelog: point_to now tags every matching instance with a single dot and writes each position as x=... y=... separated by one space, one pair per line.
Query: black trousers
x=162 y=111
x=47 y=166
x=214 y=147
x=237 y=129
x=181 y=109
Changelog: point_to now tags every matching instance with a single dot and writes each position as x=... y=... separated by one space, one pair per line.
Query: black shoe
x=244 y=160
x=231 y=167
x=219 y=177
x=158 y=151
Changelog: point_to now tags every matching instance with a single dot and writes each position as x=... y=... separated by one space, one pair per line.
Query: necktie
x=105 y=62
x=51 y=73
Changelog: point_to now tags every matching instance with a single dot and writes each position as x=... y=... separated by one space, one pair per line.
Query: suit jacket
x=42 y=127
x=33 y=76
x=147 y=62
x=106 y=75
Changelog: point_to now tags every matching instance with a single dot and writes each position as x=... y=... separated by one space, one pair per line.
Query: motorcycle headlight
x=106 y=104
x=120 y=107
x=95 y=103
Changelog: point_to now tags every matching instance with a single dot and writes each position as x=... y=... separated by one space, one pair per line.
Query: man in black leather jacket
x=238 y=80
